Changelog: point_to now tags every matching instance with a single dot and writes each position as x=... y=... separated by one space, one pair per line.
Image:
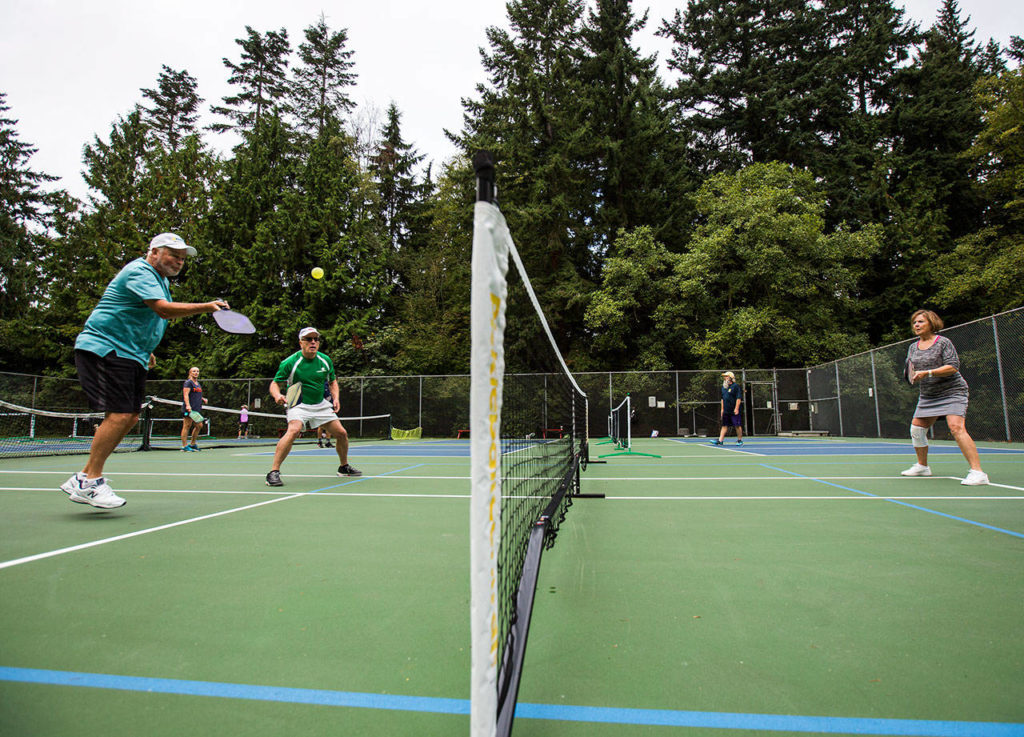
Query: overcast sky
x=70 y=68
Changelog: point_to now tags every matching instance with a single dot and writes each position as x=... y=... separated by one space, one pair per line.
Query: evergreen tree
x=745 y=79
x=319 y=90
x=393 y=166
x=175 y=107
x=431 y=332
x=529 y=116
x=260 y=77
x=931 y=199
x=638 y=163
x=25 y=210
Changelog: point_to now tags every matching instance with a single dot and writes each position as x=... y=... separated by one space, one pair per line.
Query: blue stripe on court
x=363 y=478
x=898 y=501
x=594 y=714
x=788 y=447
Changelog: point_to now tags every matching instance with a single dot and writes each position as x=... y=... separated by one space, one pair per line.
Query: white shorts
x=312 y=416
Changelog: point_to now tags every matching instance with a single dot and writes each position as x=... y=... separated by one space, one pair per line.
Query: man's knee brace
x=919 y=436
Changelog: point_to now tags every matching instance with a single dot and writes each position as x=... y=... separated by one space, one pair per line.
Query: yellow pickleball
x=317 y=272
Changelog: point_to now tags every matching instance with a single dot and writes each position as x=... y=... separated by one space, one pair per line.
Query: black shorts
x=111 y=383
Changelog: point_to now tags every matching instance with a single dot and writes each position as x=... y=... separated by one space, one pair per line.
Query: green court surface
x=779 y=588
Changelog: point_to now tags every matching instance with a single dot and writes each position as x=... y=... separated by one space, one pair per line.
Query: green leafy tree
x=762 y=283
x=174 y=109
x=985 y=272
x=631 y=317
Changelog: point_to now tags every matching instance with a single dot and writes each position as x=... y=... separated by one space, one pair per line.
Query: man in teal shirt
x=310 y=368
x=114 y=352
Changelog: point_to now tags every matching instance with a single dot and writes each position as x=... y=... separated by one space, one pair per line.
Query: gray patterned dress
x=940 y=395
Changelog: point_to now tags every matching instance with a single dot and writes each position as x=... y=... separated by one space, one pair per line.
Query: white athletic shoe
x=917 y=470
x=975 y=478
x=73 y=484
x=98 y=494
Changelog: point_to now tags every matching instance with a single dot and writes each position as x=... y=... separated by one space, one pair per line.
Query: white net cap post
x=487 y=369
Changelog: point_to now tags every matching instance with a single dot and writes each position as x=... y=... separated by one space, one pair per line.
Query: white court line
x=813 y=498
x=383 y=495
x=118 y=474
x=256 y=493
x=104 y=541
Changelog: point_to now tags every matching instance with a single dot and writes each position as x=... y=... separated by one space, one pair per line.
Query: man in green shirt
x=310 y=368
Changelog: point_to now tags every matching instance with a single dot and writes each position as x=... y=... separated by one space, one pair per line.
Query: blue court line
x=554 y=712
x=897 y=501
x=363 y=478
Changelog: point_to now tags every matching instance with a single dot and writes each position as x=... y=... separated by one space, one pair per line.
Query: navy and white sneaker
x=94 y=492
x=274 y=479
x=347 y=470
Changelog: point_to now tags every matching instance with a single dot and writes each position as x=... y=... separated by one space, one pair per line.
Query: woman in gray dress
x=936 y=370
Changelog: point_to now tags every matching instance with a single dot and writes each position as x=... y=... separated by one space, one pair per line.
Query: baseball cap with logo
x=308 y=331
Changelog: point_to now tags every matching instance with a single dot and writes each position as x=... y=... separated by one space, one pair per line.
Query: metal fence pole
x=420 y=423
x=810 y=406
x=1002 y=384
x=677 y=403
x=874 y=391
x=839 y=401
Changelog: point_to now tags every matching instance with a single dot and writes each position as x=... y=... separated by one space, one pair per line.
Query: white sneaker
x=98 y=494
x=975 y=478
x=73 y=484
x=917 y=470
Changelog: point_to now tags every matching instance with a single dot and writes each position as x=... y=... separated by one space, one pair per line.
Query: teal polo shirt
x=122 y=322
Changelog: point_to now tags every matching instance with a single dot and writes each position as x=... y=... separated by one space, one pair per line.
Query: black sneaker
x=274 y=479
x=347 y=470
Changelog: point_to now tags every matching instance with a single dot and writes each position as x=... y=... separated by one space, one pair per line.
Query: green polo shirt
x=312 y=372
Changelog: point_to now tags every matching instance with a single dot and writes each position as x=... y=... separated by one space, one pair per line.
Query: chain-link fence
x=865 y=395
x=859 y=396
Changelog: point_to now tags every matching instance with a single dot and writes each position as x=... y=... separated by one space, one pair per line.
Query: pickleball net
x=221 y=428
x=29 y=431
x=528 y=439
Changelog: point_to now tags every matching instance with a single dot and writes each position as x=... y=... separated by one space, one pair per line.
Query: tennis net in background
x=528 y=438
x=221 y=429
x=620 y=424
x=26 y=431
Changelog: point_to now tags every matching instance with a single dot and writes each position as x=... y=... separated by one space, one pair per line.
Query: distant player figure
x=311 y=369
x=192 y=401
x=944 y=393
x=323 y=440
x=115 y=350
x=730 y=408
x=243 y=423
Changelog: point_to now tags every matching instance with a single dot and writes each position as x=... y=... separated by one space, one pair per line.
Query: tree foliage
x=804 y=176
